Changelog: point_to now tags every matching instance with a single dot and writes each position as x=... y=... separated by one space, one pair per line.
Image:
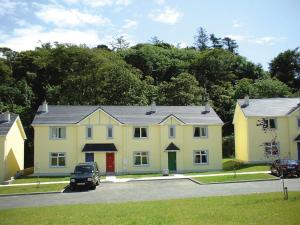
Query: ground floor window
x=201 y=157
x=271 y=149
x=89 y=157
x=57 y=159
x=141 y=158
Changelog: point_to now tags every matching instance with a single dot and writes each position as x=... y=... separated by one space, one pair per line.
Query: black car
x=285 y=167
x=85 y=175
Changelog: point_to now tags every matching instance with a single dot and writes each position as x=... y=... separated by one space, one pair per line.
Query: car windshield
x=84 y=169
x=288 y=162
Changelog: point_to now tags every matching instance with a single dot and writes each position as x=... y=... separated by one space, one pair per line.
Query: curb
x=154 y=179
x=230 y=182
x=30 y=193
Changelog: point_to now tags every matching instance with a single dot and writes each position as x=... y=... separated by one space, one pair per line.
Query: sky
x=262 y=28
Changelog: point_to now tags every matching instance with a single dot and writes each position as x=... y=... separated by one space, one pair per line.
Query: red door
x=110 y=162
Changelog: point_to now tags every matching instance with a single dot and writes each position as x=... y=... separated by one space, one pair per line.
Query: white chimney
x=153 y=106
x=45 y=107
x=246 y=100
x=207 y=107
x=5 y=117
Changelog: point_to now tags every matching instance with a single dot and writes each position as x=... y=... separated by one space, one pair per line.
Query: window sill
x=57 y=166
x=146 y=165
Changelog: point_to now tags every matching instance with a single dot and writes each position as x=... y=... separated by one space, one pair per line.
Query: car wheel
x=72 y=188
x=93 y=187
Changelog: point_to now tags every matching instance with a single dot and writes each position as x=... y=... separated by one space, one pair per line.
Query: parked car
x=85 y=175
x=285 y=167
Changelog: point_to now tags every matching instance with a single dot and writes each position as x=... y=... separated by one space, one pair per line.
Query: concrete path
x=146 y=191
x=115 y=179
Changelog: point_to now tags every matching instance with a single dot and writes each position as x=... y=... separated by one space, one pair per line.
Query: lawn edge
x=240 y=181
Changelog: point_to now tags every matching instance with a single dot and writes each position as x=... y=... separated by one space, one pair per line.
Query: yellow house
x=127 y=139
x=12 y=137
x=282 y=116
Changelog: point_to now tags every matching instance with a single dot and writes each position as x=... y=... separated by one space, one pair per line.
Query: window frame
x=141 y=165
x=140 y=131
x=57 y=138
x=112 y=131
x=87 y=132
x=272 y=144
x=195 y=152
x=200 y=131
x=51 y=157
x=174 y=131
x=268 y=123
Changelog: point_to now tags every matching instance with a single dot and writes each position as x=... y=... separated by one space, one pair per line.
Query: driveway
x=146 y=191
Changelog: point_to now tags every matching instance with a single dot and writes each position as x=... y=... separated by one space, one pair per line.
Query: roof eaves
x=169 y=116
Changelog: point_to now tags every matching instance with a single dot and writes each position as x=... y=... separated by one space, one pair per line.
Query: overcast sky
x=262 y=28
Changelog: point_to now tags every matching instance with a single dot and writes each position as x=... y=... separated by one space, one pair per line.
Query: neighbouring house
x=282 y=116
x=127 y=139
x=12 y=137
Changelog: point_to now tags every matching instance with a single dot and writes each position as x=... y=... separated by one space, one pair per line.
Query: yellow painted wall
x=158 y=139
x=2 y=146
x=249 y=137
x=12 y=152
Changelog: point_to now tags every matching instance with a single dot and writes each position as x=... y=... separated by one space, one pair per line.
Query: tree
x=181 y=90
x=286 y=68
x=119 y=43
x=201 y=39
x=216 y=42
x=230 y=44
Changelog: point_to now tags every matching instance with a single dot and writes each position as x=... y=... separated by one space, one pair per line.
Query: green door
x=172 y=161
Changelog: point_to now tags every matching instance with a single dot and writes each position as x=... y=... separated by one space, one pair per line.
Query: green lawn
x=229 y=178
x=245 y=210
x=31 y=188
x=41 y=179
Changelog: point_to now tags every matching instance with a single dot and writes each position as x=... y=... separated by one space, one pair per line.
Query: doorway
x=172 y=161
x=110 y=162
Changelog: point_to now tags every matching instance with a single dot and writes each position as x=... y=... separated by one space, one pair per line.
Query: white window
x=57 y=133
x=201 y=157
x=171 y=131
x=140 y=132
x=201 y=132
x=89 y=132
x=57 y=159
x=270 y=123
x=109 y=131
x=271 y=149
x=141 y=159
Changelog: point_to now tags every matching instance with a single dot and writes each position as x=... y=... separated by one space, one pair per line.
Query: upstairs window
x=140 y=132
x=171 y=131
x=109 y=131
x=298 y=122
x=89 y=132
x=200 y=132
x=270 y=123
x=57 y=133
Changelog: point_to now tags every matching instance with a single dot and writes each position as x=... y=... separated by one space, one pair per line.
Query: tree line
x=211 y=70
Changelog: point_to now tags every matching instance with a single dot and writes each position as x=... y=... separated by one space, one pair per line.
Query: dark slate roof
x=103 y=147
x=172 y=146
x=5 y=126
x=269 y=106
x=297 y=138
x=134 y=115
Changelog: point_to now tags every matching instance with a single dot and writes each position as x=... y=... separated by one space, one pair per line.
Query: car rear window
x=289 y=162
x=83 y=169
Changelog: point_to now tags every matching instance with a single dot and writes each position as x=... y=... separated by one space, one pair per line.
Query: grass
x=31 y=179
x=230 y=178
x=31 y=188
x=244 y=209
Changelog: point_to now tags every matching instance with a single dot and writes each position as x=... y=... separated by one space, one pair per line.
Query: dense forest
x=211 y=70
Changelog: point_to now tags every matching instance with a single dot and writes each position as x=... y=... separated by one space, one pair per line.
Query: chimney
x=45 y=107
x=207 y=107
x=5 y=117
x=153 y=107
x=246 y=101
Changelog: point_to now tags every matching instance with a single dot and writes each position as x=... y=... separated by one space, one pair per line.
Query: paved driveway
x=145 y=191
